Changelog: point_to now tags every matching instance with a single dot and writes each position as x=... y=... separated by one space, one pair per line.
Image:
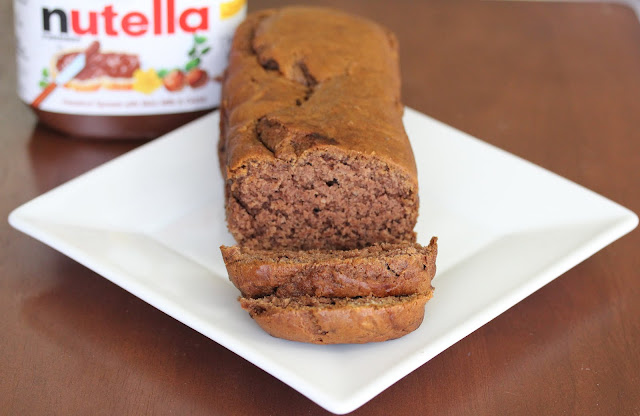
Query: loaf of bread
x=321 y=187
x=312 y=146
x=380 y=270
x=338 y=320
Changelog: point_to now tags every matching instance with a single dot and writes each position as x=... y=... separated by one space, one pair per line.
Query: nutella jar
x=122 y=69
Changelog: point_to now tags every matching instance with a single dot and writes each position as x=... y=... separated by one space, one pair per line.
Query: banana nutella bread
x=338 y=320
x=379 y=270
x=312 y=145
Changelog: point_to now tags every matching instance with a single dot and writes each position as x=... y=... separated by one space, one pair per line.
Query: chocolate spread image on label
x=108 y=64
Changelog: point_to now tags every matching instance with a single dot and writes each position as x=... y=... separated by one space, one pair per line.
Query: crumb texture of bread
x=312 y=146
x=338 y=321
x=380 y=270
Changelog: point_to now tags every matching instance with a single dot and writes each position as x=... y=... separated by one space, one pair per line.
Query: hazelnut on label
x=197 y=77
x=174 y=80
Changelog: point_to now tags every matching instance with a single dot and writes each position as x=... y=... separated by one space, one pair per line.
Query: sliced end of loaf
x=324 y=199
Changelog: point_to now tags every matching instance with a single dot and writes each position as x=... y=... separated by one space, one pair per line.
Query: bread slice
x=380 y=270
x=356 y=296
x=321 y=320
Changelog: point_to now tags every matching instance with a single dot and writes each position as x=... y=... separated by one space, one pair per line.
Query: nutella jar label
x=113 y=58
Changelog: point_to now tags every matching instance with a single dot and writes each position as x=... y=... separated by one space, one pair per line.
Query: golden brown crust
x=381 y=270
x=344 y=69
x=348 y=321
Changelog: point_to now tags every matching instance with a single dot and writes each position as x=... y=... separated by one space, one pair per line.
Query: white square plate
x=152 y=220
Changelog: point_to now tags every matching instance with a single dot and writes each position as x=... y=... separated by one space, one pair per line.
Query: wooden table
x=555 y=83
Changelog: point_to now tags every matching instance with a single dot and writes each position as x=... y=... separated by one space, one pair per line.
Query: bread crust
x=350 y=321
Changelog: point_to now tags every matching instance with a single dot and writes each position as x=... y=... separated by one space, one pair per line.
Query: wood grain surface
x=555 y=83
